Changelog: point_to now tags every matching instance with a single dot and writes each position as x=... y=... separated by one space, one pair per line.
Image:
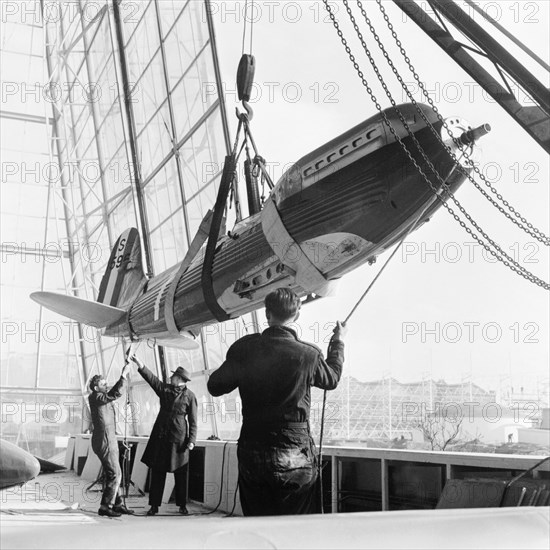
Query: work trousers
x=158 y=480
x=277 y=480
x=112 y=475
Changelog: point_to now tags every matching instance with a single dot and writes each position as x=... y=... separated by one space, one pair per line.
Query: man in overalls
x=104 y=441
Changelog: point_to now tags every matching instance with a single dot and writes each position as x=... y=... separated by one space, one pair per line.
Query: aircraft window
x=370 y=133
x=343 y=149
x=307 y=171
x=318 y=164
x=331 y=156
x=356 y=141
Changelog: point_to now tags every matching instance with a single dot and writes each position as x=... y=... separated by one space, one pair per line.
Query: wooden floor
x=64 y=497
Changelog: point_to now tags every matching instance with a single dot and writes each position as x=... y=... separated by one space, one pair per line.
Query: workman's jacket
x=274 y=372
x=167 y=449
x=103 y=415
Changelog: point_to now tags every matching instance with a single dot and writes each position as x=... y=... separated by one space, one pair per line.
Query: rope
x=409 y=231
x=320 y=465
x=251 y=24
x=244 y=26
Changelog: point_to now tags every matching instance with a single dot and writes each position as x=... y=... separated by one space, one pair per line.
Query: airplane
x=335 y=209
x=16 y=465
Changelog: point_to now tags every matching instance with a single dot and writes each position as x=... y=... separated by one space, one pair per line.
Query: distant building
x=539 y=435
x=387 y=409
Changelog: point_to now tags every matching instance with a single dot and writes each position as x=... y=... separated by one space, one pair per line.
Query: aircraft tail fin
x=124 y=278
x=122 y=282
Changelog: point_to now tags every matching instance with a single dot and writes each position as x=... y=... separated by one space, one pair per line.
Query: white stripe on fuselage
x=159 y=296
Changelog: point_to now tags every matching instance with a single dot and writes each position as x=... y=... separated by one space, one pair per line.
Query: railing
x=354 y=479
x=360 y=479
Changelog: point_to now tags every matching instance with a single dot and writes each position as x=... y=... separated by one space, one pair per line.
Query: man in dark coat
x=170 y=440
x=104 y=441
x=274 y=372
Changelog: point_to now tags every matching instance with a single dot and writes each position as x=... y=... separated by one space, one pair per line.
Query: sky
x=443 y=308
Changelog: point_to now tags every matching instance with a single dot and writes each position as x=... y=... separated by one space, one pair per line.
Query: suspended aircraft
x=339 y=207
x=335 y=209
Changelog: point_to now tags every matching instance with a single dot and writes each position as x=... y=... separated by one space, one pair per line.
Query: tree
x=438 y=430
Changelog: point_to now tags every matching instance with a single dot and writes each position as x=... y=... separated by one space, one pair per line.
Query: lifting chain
x=499 y=254
x=523 y=224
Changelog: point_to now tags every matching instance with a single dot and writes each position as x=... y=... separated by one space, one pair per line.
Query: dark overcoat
x=175 y=427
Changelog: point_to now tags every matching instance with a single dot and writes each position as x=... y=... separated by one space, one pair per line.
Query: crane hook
x=245 y=117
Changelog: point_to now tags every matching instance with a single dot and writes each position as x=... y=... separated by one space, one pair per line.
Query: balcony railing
x=354 y=479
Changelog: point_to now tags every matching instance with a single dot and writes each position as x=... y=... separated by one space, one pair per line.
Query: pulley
x=245 y=77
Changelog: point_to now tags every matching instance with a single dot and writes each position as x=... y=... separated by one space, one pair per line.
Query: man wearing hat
x=170 y=440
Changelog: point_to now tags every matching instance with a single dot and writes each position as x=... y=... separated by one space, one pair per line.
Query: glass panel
x=227 y=411
x=194 y=94
x=146 y=406
x=145 y=402
x=202 y=160
x=169 y=11
x=142 y=46
x=111 y=135
x=192 y=360
x=113 y=359
x=168 y=243
x=154 y=141
x=41 y=424
x=123 y=215
x=163 y=195
x=18 y=363
x=132 y=15
x=150 y=91
x=93 y=185
x=205 y=416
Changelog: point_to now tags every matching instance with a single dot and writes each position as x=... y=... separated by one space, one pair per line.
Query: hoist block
x=245 y=77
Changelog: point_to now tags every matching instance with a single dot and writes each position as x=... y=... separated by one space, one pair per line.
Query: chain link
x=527 y=227
x=503 y=257
x=419 y=147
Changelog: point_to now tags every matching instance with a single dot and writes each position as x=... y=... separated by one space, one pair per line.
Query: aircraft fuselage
x=340 y=206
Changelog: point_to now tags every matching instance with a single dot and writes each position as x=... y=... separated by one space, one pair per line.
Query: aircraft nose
x=16 y=465
x=30 y=468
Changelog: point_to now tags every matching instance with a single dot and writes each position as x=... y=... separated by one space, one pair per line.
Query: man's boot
x=121 y=509
x=108 y=512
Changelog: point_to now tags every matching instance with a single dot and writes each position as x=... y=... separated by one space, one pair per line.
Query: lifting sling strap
x=210 y=299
